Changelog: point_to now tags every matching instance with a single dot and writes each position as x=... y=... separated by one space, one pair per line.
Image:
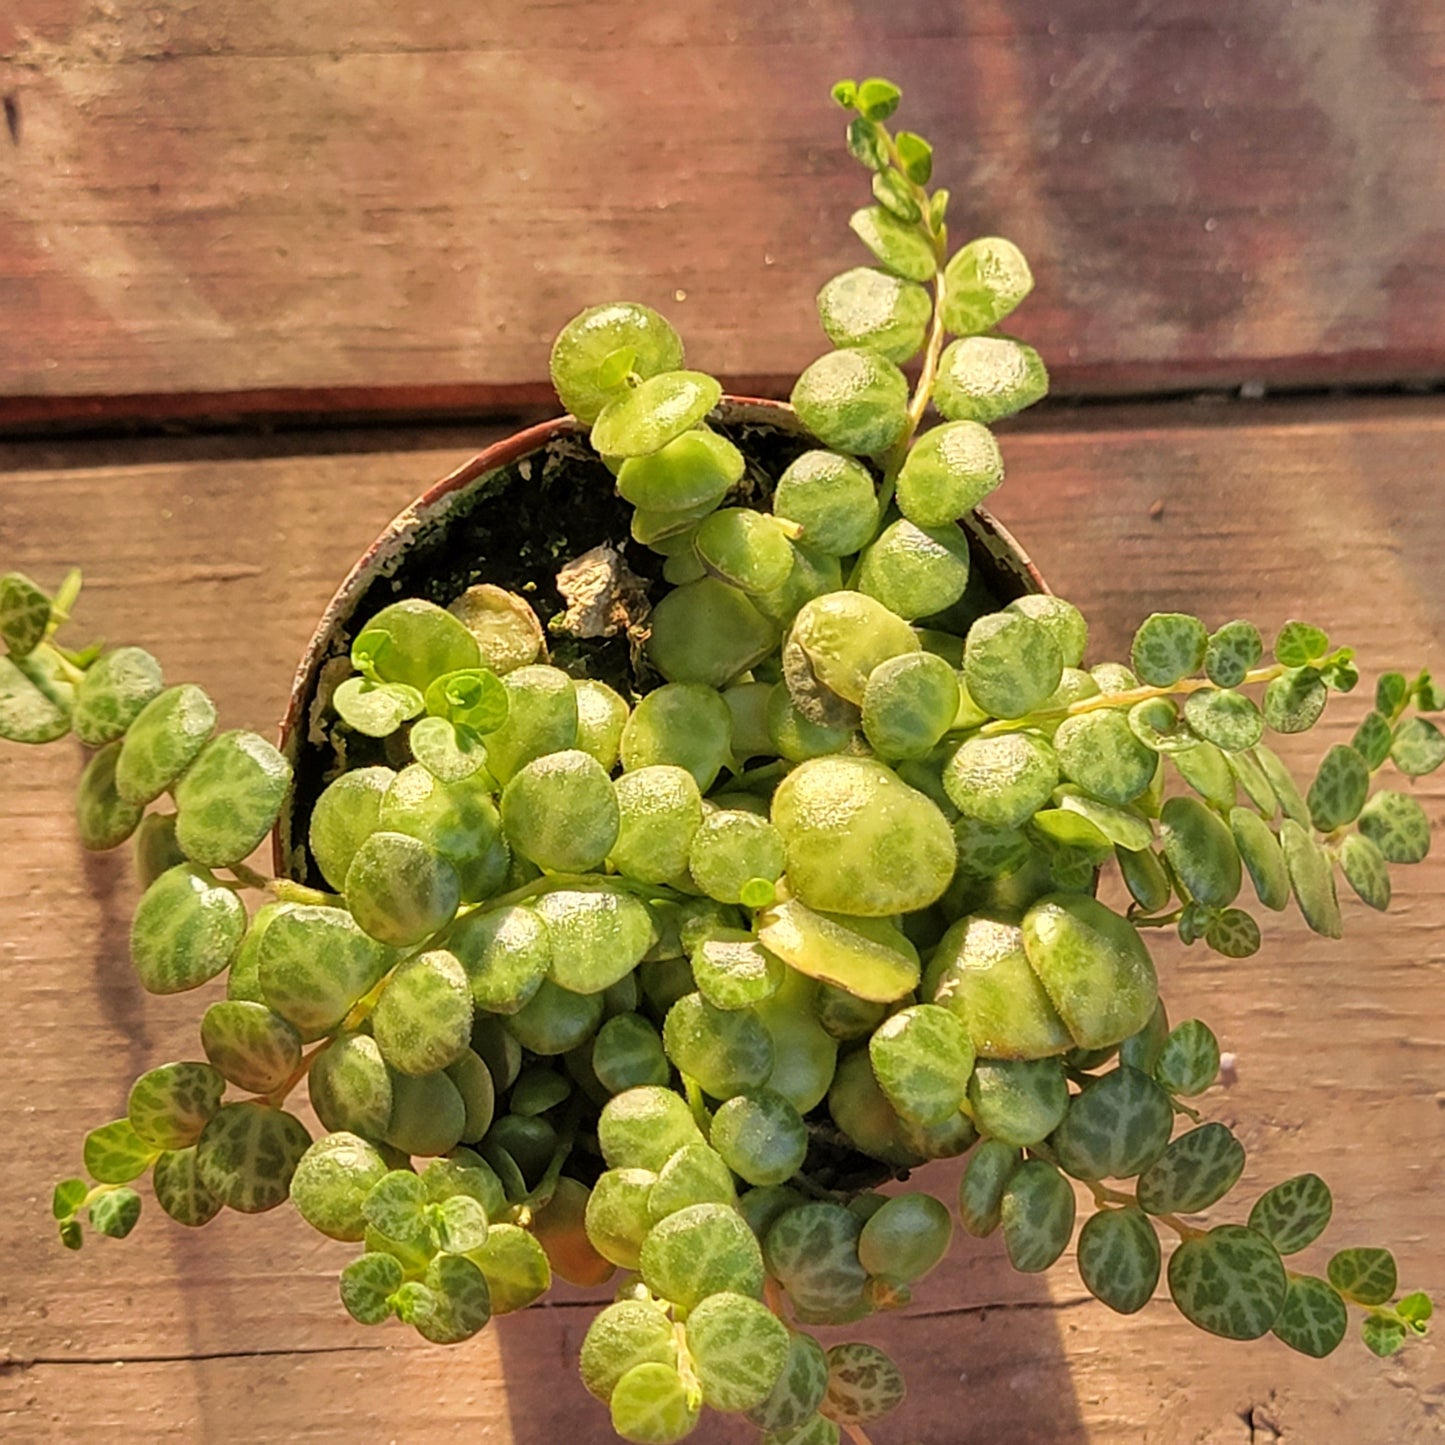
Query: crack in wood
x=18 y=1364
x=1050 y=1306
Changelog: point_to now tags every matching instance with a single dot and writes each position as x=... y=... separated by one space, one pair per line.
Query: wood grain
x=398 y=209
x=219 y=559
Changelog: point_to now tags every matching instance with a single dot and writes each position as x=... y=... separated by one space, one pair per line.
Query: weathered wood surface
x=296 y=207
x=218 y=561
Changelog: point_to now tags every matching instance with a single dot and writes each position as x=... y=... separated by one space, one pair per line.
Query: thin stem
x=697 y=1104
x=1156 y=920
x=773 y=1297
x=277 y=1096
x=1123 y=699
x=685 y=1367
x=288 y=891
x=1105 y=1196
x=928 y=375
x=73 y=674
x=250 y=878
x=541 y=1196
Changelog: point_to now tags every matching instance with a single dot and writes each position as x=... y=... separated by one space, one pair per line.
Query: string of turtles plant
x=594 y=975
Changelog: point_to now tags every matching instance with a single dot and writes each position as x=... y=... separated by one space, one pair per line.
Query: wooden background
x=217 y=216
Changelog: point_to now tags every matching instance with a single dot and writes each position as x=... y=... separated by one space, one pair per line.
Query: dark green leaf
x=1365 y=869
x=916 y=155
x=1311 y=878
x=1372 y=739
x=1339 y=672
x=1260 y=851
x=116 y=1154
x=1250 y=776
x=1225 y=718
x=1233 y=649
x=1206 y=769
x=24 y=614
x=1383 y=1336
x=1200 y=849
x=1116 y=1128
x=1397 y=825
x=1392 y=692
x=1429 y=694
x=1299 y=644
x=1037 y=1214
x=68 y=1197
x=878 y=98
x=1339 y=790
x=1294 y=1213
x=866 y=143
x=1419 y=747
x=35 y=701
x=1119 y=1258
x=71 y=1234
x=1145 y=878
x=367 y=1285
x=1314 y=1319
x=896 y=197
x=1168 y=646
x=1365 y=1275
x=1291 y=801
x=1230 y=1282
x=1232 y=933
x=1188 y=1062
x=117 y=1213
x=1196 y=1170
x=980 y=1191
x=1293 y=703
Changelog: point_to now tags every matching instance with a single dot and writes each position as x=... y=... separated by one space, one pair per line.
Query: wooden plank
x=219 y=565
x=249 y=201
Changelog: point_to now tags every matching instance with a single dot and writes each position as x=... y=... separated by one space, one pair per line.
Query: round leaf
x=247 y=1154
x=1311 y=878
x=1293 y=1214
x=1314 y=1319
x=1119 y=1258
x=230 y=798
x=1365 y=868
x=644 y=418
x=1397 y=825
x=187 y=928
x=1116 y=1128
x=169 y=1106
x=116 y=686
x=1168 y=646
x=1228 y=719
x=1197 y=1169
x=180 y=1190
x=1229 y=1283
x=739 y=1349
x=162 y=742
x=922 y=1057
x=699 y=1251
x=103 y=818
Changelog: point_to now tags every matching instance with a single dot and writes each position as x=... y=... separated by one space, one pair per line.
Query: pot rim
x=989 y=531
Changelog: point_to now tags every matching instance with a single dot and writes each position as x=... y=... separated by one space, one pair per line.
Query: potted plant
x=689 y=818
